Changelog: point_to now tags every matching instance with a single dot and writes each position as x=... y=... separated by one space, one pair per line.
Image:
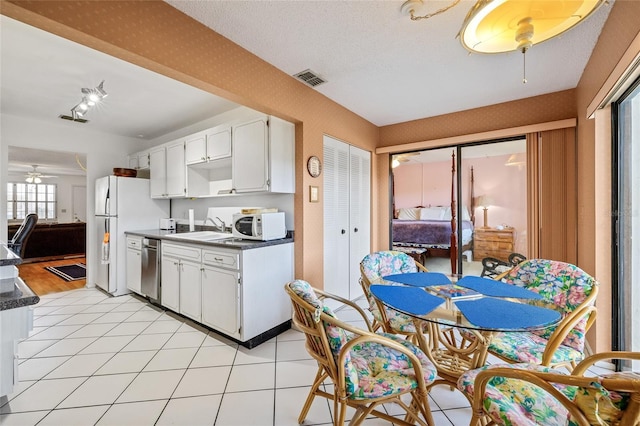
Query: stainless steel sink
x=237 y=241
x=200 y=235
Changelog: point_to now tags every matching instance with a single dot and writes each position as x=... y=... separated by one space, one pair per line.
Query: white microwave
x=259 y=226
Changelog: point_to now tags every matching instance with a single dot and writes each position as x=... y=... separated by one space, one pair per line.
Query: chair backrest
x=564 y=285
x=19 y=241
x=324 y=339
x=382 y=263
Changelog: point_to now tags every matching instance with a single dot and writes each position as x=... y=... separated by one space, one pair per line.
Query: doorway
x=476 y=181
x=57 y=193
x=626 y=224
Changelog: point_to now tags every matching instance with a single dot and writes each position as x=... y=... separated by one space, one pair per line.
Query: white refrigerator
x=122 y=204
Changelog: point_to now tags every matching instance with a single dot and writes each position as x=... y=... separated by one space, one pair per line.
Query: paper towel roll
x=192 y=225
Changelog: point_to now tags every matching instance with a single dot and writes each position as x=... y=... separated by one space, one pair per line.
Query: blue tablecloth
x=494 y=288
x=419 y=279
x=499 y=314
x=411 y=300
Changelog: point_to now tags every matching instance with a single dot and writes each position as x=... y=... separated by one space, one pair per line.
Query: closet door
x=359 y=214
x=336 y=217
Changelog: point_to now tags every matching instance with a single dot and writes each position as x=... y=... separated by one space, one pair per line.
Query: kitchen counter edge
x=165 y=235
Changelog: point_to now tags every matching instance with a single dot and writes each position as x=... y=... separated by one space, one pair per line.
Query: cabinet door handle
x=202 y=158
x=342 y=231
x=355 y=229
x=218 y=259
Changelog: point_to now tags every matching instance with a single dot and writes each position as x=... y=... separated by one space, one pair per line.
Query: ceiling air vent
x=310 y=77
x=70 y=118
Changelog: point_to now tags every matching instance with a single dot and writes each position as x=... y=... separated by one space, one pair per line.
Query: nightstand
x=491 y=242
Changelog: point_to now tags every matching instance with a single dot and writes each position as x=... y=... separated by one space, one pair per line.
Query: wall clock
x=314 y=167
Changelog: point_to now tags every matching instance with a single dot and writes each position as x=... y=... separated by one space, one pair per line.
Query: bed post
x=473 y=201
x=453 y=248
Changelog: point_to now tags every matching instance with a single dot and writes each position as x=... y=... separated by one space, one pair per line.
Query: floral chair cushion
x=601 y=406
x=561 y=283
x=384 y=371
x=529 y=347
x=381 y=264
x=517 y=402
x=371 y=370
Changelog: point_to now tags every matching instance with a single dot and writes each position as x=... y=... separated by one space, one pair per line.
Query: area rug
x=73 y=272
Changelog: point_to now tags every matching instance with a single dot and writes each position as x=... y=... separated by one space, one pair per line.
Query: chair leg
x=339 y=412
x=320 y=377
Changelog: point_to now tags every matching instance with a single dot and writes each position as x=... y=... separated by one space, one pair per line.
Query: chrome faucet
x=221 y=226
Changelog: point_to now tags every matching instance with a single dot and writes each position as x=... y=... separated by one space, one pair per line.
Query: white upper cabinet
x=158 y=175
x=257 y=155
x=263 y=156
x=168 y=174
x=219 y=142
x=212 y=144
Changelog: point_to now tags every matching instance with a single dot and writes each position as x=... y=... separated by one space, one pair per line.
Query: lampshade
x=485 y=201
x=496 y=26
x=514 y=161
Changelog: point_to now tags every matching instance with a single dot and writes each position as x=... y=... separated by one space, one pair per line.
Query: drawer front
x=478 y=255
x=183 y=252
x=221 y=258
x=134 y=242
x=495 y=235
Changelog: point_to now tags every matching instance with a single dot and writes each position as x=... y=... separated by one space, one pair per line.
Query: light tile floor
x=94 y=359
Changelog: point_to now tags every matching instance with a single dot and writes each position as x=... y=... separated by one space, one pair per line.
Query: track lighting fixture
x=90 y=98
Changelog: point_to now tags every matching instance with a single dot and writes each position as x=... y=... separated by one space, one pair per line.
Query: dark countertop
x=7 y=257
x=230 y=243
x=19 y=294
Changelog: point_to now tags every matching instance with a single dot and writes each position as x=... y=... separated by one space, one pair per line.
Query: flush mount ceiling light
x=90 y=97
x=498 y=26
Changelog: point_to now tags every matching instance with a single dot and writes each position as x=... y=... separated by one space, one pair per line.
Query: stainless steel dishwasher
x=150 y=282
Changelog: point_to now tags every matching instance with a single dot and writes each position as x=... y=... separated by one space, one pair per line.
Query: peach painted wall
x=430 y=184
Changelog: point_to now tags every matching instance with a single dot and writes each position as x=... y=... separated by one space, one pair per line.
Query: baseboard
x=53 y=258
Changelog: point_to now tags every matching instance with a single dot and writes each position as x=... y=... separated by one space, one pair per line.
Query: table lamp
x=485 y=201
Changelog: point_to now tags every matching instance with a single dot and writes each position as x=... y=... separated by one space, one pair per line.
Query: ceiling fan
x=402 y=158
x=35 y=176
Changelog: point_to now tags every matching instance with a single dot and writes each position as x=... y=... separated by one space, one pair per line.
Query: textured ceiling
x=378 y=63
x=387 y=68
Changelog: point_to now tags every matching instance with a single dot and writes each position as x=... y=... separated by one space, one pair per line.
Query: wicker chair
x=367 y=369
x=530 y=394
x=375 y=266
x=563 y=285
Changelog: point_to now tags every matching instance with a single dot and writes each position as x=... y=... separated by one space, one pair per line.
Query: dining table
x=457 y=316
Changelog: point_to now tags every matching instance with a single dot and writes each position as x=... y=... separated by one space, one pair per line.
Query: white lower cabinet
x=190 y=297
x=180 y=288
x=239 y=293
x=134 y=264
x=170 y=290
x=221 y=300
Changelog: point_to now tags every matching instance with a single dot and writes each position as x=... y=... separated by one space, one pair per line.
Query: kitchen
x=104 y=151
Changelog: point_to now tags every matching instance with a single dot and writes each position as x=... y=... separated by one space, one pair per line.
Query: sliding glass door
x=626 y=222
x=464 y=186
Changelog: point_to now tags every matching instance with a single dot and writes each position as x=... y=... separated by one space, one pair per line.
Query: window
x=25 y=198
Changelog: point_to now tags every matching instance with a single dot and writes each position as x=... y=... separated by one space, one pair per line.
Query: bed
x=431 y=231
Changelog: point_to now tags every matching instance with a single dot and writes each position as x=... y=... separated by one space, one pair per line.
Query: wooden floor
x=44 y=282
